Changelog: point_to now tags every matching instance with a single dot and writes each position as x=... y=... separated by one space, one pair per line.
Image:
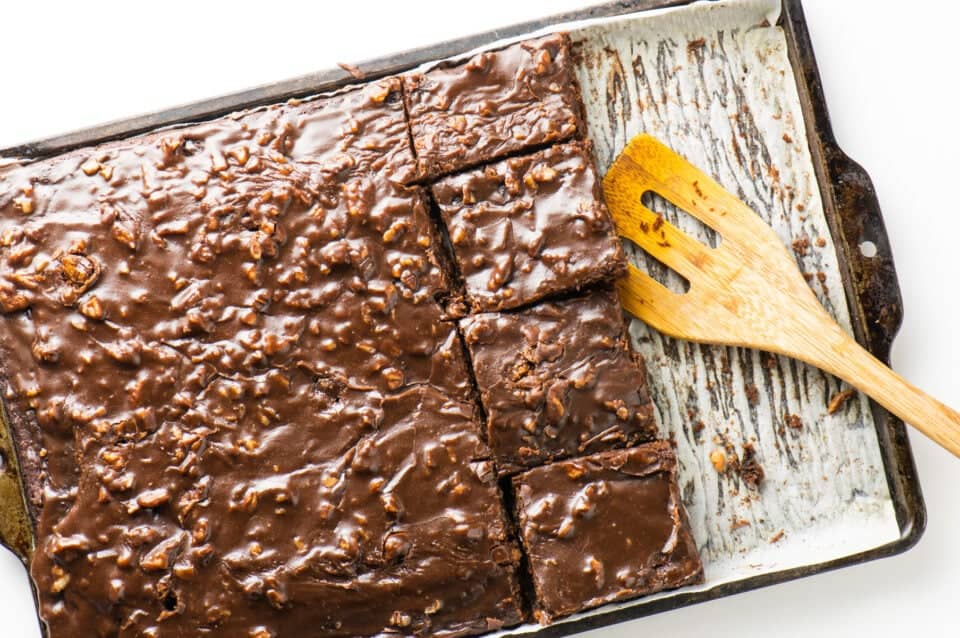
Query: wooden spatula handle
x=843 y=357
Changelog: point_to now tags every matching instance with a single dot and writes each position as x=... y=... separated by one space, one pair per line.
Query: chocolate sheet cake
x=207 y=327
x=232 y=365
x=605 y=527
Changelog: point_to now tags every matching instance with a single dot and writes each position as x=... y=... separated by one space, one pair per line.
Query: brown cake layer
x=605 y=527
x=558 y=380
x=530 y=227
x=496 y=103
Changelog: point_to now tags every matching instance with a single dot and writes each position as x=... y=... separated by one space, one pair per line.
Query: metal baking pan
x=734 y=86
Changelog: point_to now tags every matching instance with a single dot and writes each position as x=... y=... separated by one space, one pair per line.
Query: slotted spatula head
x=744 y=292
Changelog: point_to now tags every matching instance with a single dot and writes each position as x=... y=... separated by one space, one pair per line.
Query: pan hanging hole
x=868 y=249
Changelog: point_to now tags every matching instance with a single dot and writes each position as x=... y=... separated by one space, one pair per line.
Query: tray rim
x=850 y=203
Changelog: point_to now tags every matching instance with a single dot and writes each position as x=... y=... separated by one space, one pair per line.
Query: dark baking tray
x=851 y=208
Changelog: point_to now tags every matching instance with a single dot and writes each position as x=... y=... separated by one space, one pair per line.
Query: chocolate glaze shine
x=529 y=227
x=244 y=532
x=232 y=366
x=605 y=527
x=205 y=330
x=558 y=380
x=496 y=103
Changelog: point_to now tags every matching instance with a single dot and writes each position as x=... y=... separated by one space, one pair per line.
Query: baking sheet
x=685 y=75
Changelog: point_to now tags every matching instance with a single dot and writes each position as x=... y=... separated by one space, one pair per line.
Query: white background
x=890 y=77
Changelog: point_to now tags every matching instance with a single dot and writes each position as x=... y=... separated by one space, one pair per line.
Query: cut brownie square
x=529 y=227
x=497 y=103
x=605 y=527
x=558 y=380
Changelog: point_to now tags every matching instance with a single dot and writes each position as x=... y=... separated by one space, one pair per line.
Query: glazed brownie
x=529 y=227
x=558 y=380
x=495 y=104
x=217 y=334
x=605 y=527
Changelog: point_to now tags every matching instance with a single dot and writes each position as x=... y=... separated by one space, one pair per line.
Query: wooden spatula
x=746 y=292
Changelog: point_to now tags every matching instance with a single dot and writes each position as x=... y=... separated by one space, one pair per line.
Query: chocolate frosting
x=603 y=528
x=530 y=227
x=496 y=103
x=558 y=380
x=241 y=403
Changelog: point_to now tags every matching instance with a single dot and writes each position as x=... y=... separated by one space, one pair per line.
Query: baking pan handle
x=861 y=233
x=868 y=250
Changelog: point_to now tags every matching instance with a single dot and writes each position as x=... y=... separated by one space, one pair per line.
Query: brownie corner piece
x=530 y=227
x=604 y=528
x=558 y=380
x=494 y=104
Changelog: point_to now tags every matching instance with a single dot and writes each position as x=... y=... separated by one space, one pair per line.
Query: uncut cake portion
x=529 y=227
x=495 y=104
x=558 y=380
x=603 y=528
x=230 y=528
x=132 y=246
x=232 y=385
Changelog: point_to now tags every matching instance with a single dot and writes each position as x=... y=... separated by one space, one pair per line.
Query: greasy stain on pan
x=734 y=86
